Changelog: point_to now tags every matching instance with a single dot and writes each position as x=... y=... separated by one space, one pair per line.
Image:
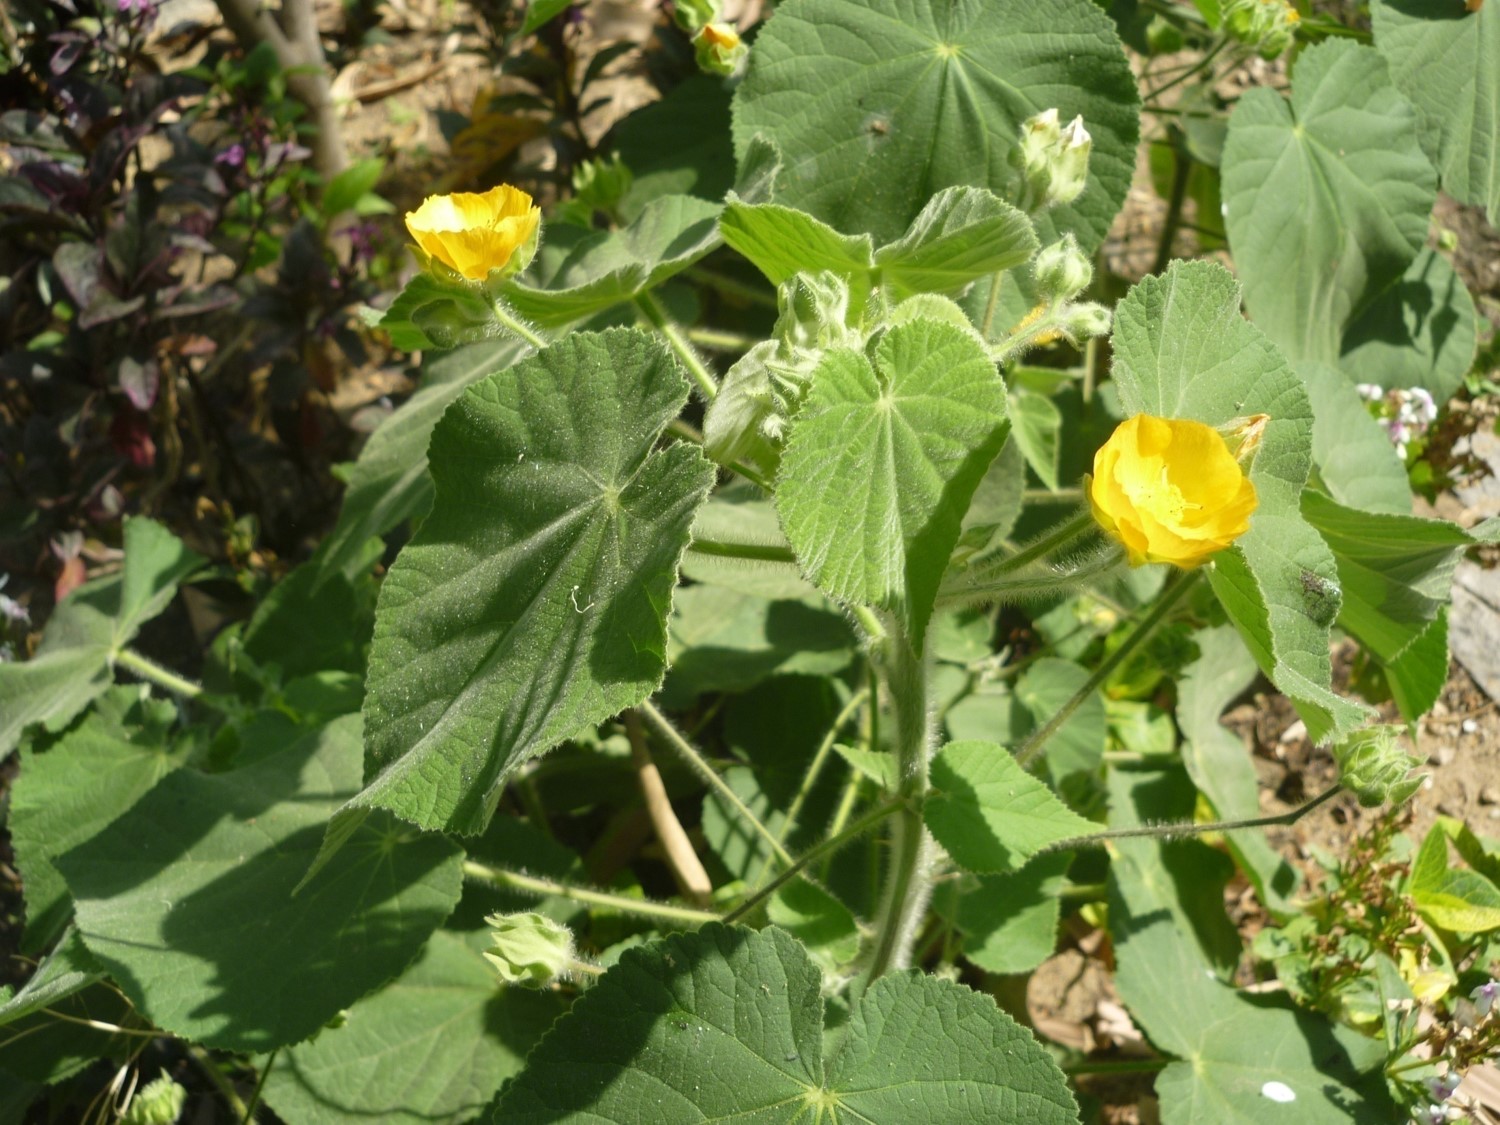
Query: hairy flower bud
x=719 y=49
x=1053 y=161
x=693 y=15
x=160 y=1102
x=1375 y=769
x=1062 y=270
x=530 y=949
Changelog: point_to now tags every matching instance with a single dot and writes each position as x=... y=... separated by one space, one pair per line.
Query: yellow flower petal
x=1169 y=490
x=475 y=233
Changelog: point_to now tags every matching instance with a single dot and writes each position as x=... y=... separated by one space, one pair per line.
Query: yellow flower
x=473 y=233
x=1170 y=491
x=721 y=35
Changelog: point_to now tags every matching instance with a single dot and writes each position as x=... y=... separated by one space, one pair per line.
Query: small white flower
x=1443 y=1088
x=1369 y=392
x=1485 y=996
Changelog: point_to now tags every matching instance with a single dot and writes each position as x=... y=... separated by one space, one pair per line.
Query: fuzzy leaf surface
x=877 y=105
x=1327 y=195
x=1446 y=59
x=882 y=462
x=187 y=900
x=727 y=1024
x=533 y=601
x=431 y=1047
x=989 y=813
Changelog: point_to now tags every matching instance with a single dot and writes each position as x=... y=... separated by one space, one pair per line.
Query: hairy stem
x=515 y=324
x=1178 y=585
x=690 y=754
x=544 y=888
x=154 y=672
x=1180 y=829
x=653 y=312
x=909 y=877
x=826 y=848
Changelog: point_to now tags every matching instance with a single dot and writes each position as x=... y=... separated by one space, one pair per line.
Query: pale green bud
x=1083 y=321
x=158 y=1103
x=813 y=310
x=1053 y=160
x=1062 y=270
x=1375 y=769
x=530 y=949
x=719 y=49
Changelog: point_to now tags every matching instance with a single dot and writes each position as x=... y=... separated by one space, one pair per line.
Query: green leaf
x=726 y=1023
x=1444 y=59
x=780 y=241
x=1327 y=196
x=1357 y=464
x=1230 y=1048
x=187 y=900
x=824 y=925
x=879 y=766
x=350 y=186
x=1182 y=350
x=700 y=159
x=1010 y=921
x=64 y=972
x=989 y=813
x=1077 y=745
x=1037 y=428
x=879 y=104
x=389 y=484
x=1397 y=575
x=963 y=234
x=725 y=640
x=1451 y=898
x=533 y=601
x=88 y=630
x=91 y=775
x=539 y=12
x=1220 y=764
x=882 y=461
x=433 y=1046
x=1420 y=332
x=607 y=268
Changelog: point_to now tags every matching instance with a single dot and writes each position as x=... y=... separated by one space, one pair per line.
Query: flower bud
x=530 y=949
x=1053 y=161
x=719 y=49
x=1375 y=769
x=1084 y=321
x=1062 y=270
x=158 y=1103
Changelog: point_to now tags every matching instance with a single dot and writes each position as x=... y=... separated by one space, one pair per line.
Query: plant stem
x=690 y=754
x=810 y=778
x=1182 y=169
x=1191 y=828
x=260 y=1085
x=542 y=888
x=1061 y=535
x=237 y=1107
x=516 y=325
x=719 y=340
x=909 y=877
x=732 y=286
x=1122 y=1066
x=845 y=810
x=826 y=848
x=1203 y=64
x=993 y=303
x=162 y=677
x=753 y=552
x=687 y=869
x=653 y=312
x=1179 y=584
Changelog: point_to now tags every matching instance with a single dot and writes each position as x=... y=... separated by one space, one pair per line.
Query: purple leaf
x=139 y=381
